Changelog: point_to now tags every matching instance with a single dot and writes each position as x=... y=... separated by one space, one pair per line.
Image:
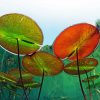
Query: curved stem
x=19 y=67
x=79 y=76
x=41 y=85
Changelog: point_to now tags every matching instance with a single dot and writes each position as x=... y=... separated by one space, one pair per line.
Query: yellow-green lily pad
x=19 y=27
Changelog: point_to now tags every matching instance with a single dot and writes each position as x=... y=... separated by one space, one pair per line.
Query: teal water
x=60 y=87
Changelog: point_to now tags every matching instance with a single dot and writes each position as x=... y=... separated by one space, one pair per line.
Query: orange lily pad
x=83 y=37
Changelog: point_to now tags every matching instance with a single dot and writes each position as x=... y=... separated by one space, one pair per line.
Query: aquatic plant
x=86 y=65
x=21 y=35
x=19 y=27
x=41 y=61
x=84 y=37
x=77 y=42
x=17 y=33
x=42 y=64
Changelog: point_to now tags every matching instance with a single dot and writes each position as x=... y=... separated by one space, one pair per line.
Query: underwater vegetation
x=24 y=58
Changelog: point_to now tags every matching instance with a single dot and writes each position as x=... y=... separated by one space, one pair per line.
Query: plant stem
x=41 y=85
x=19 y=67
x=80 y=76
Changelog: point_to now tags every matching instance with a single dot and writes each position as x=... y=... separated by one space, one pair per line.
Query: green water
x=60 y=87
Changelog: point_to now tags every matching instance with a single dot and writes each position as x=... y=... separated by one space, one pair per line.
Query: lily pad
x=85 y=65
x=84 y=37
x=26 y=76
x=40 y=61
x=18 y=26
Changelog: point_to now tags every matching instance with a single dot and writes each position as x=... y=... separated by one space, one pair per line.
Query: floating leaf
x=40 y=61
x=84 y=37
x=17 y=26
x=85 y=65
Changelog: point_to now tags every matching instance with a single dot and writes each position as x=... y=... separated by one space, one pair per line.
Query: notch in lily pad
x=18 y=26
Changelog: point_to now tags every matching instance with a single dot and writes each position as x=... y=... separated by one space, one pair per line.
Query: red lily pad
x=84 y=37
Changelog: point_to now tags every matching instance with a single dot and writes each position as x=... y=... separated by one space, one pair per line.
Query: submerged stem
x=19 y=67
x=41 y=85
x=88 y=85
x=2 y=62
x=79 y=75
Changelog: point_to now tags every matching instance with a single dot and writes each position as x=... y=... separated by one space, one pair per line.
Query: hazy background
x=53 y=16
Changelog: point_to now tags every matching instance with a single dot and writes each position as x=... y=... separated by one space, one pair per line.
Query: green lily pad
x=17 y=26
